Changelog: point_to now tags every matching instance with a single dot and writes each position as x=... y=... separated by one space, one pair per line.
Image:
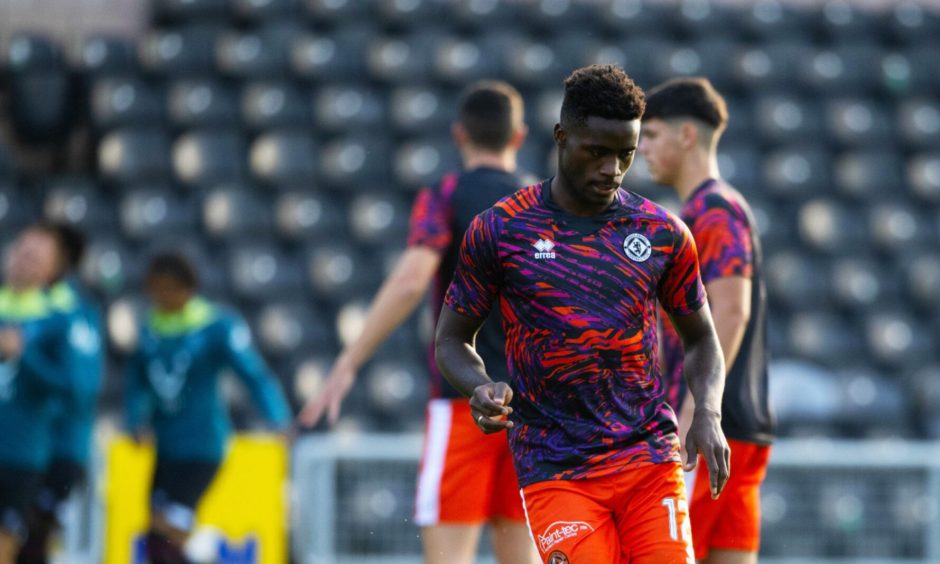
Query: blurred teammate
x=683 y=122
x=35 y=373
x=463 y=482
x=173 y=379
x=72 y=428
x=577 y=265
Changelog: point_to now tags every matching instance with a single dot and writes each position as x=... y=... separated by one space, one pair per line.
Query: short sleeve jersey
x=439 y=218
x=722 y=225
x=578 y=302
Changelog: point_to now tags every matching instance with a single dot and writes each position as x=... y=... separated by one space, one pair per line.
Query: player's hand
x=338 y=383
x=11 y=343
x=489 y=406
x=706 y=438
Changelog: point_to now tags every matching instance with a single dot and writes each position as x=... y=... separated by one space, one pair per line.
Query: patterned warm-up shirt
x=578 y=300
x=723 y=227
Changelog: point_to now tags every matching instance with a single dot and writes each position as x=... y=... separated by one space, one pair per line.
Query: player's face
x=662 y=150
x=593 y=157
x=167 y=293
x=33 y=260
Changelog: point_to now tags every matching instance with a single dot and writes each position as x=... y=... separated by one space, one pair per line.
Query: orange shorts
x=465 y=476
x=733 y=520
x=638 y=516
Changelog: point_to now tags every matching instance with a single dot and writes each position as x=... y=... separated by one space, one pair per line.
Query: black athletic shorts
x=18 y=489
x=62 y=476
x=178 y=485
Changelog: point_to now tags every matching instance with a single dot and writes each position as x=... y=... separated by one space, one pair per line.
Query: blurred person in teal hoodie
x=172 y=381
x=35 y=377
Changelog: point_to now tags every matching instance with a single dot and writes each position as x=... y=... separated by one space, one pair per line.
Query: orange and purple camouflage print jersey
x=439 y=217
x=578 y=300
x=723 y=227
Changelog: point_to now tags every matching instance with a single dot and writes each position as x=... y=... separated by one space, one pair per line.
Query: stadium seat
x=267 y=105
x=770 y=66
x=338 y=272
x=536 y=160
x=924 y=385
x=910 y=22
x=421 y=162
x=302 y=215
x=922 y=278
x=259 y=271
x=842 y=20
x=201 y=102
x=772 y=19
x=339 y=107
x=405 y=14
x=848 y=69
x=284 y=156
x=263 y=53
x=704 y=17
x=104 y=267
x=379 y=217
x=859 y=122
x=896 y=227
x=545 y=17
x=923 y=177
x=103 y=55
x=126 y=101
x=546 y=112
x=858 y=283
x=918 y=120
x=353 y=162
x=151 y=212
x=896 y=340
x=78 y=201
x=920 y=59
x=327 y=12
x=458 y=60
x=235 y=211
x=824 y=338
x=419 y=109
x=402 y=59
x=827 y=226
x=615 y=16
x=869 y=174
x=38 y=88
x=201 y=157
x=393 y=385
x=253 y=11
x=795 y=280
x=17 y=210
x=480 y=15
x=183 y=51
x=797 y=171
x=339 y=55
x=740 y=165
x=707 y=58
x=287 y=327
x=787 y=119
x=7 y=163
x=134 y=154
x=183 y=11
x=804 y=394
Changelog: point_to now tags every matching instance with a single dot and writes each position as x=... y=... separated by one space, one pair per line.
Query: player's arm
x=397 y=299
x=247 y=363
x=137 y=401
x=53 y=374
x=464 y=369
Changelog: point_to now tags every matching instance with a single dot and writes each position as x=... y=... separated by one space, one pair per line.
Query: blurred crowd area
x=280 y=143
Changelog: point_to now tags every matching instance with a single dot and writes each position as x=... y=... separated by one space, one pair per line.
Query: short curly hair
x=603 y=91
x=691 y=97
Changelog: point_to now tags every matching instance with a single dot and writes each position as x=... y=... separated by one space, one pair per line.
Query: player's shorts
x=637 y=516
x=61 y=477
x=178 y=486
x=733 y=520
x=466 y=476
x=18 y=489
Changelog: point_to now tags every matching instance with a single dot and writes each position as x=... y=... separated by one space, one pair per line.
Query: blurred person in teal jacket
x=75 y=419
x=35 y=377
x=172 y=381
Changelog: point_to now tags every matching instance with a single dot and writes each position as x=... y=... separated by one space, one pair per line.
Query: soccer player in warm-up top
x=577 y=265
x=463 y=481
x=172 y=382
x=683 y=122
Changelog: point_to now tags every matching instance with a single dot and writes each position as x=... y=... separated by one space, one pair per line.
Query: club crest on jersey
x=637 y=247
x=544 y=249
x=558 y=557
x=560 y=531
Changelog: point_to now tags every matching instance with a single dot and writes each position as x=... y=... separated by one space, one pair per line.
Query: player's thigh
x=654 y=528
x=512 y=542
x=458 y=468
x=571 y=522
x=450 y=544
x=178 y=486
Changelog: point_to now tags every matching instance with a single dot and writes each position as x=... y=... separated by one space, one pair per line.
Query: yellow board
x=246 y=502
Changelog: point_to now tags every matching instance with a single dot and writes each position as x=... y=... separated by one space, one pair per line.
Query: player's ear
x=459 y=134
x=688 y=134
x=518 y=136
x=561 y=136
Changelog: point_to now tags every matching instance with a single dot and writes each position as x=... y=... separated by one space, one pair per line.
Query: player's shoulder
x=518 y=202
x=654 y=214
x=717 y=196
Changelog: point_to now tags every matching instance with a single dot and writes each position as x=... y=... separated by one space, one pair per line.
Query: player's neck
x=504 y=160
x=695 y=170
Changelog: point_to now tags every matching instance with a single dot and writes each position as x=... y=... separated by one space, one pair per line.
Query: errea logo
x=544 y=249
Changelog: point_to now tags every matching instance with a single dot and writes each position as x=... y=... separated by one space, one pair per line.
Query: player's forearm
x=460 y=364
x=730 y=325
x=705 y=372
x=398 y=298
